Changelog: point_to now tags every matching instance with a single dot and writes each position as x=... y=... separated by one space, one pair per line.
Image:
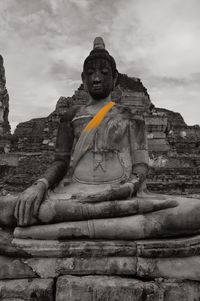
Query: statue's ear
x=84 y=81
x=115 y=79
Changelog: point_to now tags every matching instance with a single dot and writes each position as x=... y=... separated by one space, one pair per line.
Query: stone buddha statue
x=96 y=187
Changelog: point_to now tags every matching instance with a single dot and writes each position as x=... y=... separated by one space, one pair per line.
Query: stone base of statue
x=98 y=270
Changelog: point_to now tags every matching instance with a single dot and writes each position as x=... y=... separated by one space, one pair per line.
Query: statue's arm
x=64 y=144
x=28 y=203
x=139 y=150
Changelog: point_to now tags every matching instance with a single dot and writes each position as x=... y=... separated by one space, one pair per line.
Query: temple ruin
x=4 y=110
x=174 y=147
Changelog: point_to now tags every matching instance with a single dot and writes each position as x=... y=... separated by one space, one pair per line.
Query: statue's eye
x=90 y=71
x=105 y=71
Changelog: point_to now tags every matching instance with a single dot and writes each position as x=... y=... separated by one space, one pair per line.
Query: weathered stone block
x=11 y=268
x=159 y=135
x=26 y=290
x=103 y=288
x=152 y=248
x=53 y=267
x=158 y=145
x=180 y=291
x=73 y=248
x=176 y=247
x=177 y=268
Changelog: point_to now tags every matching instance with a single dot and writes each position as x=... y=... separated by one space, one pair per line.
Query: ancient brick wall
x=4 y=109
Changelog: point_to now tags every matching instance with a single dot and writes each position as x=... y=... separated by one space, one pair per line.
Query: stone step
x=176 y=247
x=104 y=288
x=27 y=289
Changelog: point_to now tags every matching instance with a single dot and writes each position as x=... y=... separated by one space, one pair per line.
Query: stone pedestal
x=26 y=289
x=36 y=270
x=104 y=288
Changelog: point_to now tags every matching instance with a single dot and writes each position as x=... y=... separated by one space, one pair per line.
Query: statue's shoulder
x=127 y=113
x=69 y=114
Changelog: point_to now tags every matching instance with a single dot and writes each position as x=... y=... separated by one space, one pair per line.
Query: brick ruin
x=4 y=110
x=174 y=147
x=5 y=135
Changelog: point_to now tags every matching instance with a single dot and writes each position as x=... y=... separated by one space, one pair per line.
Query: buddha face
x=98 y=78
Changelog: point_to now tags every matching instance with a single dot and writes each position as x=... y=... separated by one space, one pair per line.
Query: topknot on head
x=99 y=52
x=98 y=43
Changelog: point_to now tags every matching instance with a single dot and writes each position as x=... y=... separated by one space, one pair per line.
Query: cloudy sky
x=44 y=43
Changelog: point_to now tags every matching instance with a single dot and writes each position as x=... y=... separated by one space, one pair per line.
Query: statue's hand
x=28 y=203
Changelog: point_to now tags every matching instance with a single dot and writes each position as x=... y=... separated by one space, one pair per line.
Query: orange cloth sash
x=97 y=119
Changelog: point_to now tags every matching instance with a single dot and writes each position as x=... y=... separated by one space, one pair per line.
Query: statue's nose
x=96 y=78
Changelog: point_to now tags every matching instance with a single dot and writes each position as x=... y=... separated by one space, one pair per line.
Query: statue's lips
x=97 y=87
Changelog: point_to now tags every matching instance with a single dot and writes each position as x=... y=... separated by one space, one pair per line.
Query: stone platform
x=87 y=270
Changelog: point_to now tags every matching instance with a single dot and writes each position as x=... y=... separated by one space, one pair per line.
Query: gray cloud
x=191 y=80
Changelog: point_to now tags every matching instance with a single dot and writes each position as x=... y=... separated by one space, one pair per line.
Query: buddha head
x=99 y=71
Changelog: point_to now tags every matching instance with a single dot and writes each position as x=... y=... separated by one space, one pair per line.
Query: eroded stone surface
x=176 y=247
x=98 y=288
x=180 y=290
x=167 y=258
x=104 y=288
x=70 y=248
x=26 y=290
x=11 y=268
x=185 y=268
x=176 y=268
x=152 y=248
x=53 y=267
